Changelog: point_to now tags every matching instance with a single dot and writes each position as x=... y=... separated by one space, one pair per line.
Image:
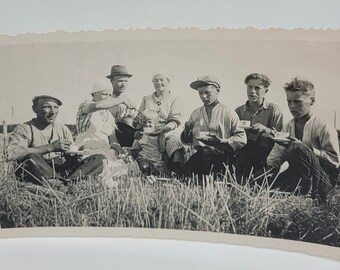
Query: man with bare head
x=261 y=120
x=311 y=150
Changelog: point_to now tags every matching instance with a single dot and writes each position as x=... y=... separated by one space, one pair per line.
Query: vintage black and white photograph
x=224 y=131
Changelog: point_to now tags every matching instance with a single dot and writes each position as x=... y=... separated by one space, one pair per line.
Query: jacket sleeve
x=329 y=152
x=175 y=114
x=238 y=137
x=277 y=119
x=278 y=154
x=19 y=142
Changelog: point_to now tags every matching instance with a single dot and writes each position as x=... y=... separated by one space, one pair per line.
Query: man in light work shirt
x=264 y=120
x=312 y=150
x=41 y=147
x=220 y=124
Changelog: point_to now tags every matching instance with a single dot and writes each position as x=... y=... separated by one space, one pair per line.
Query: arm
x=329 y=152
x=93 y=106
x=175 y=114
x=135 y=149
x=21 y=139
x=174 y=118
x=238 y=137
x=277 y=119
x=186 y=135
x=278 y=154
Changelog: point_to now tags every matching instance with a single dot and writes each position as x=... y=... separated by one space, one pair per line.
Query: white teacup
x=245 y=124
x=203 y=134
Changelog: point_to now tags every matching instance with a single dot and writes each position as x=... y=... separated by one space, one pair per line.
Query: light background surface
x=45 y=16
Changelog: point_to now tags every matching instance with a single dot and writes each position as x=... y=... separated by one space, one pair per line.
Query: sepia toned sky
x=67 y=65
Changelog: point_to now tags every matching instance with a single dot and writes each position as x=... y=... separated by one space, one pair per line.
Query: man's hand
x=188 y=126
x=159 y=130
x=259 y=128
x=290 y=141
x=186 y=135
x=116 y=146
x=127 y=102
x=213 y=140
x=61 y=145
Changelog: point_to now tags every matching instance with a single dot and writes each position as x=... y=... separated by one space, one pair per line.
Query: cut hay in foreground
x=218 y=206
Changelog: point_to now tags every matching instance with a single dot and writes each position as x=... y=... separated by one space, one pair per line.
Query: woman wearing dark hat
x=169 y=108
x=213 y=130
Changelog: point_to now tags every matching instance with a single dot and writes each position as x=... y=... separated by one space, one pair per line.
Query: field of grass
x=221 y=205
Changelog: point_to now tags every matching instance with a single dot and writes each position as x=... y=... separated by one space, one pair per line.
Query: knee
x=98 y=157
x=144 y=166
x=35 y=157
x=205 y=153
x=265 y=140
x=299 y=149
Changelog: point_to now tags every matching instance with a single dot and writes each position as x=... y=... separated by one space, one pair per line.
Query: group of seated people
x=302 y=154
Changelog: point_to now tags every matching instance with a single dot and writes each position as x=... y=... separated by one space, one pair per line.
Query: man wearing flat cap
x=213 y=130
x=41 y=146
x=119 y=78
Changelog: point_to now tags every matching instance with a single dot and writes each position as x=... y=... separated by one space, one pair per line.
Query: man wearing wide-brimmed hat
x=213 y=130
x=119 y=78
x=42 y=147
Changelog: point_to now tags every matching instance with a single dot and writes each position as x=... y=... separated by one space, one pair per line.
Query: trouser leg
x=304 y=171
x=260 y=150
x=176 y=160
x=204 y=161
x=254 y=154
x=175 y=151
x=145 y=166
x=35 y=169
x=91 y=165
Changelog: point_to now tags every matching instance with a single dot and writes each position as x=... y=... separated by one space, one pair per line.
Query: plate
x=150 y=133
x=283 y=140
x=204 y=138
x=74 y=152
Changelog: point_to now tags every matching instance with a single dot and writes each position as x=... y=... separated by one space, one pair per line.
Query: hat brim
x=196 y=84
x=118 y=74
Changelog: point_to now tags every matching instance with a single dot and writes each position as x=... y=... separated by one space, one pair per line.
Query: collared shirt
x=224 y=123
x=317 y=134
x=29 y=134
x=268 y=115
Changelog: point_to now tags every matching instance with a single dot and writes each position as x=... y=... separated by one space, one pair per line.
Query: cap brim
x=196 y=84
x=112 y=75
x=49 y=98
